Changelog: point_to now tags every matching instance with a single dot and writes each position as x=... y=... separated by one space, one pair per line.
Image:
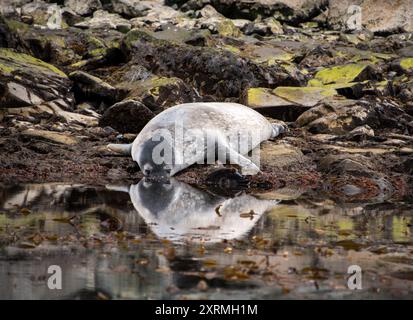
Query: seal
x=197 y=132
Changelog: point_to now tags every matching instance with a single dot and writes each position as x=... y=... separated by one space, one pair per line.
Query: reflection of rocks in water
x=62 y=197
x=85 y=275
x=179 y=212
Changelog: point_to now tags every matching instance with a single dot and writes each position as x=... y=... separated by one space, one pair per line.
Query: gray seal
x=199 y=133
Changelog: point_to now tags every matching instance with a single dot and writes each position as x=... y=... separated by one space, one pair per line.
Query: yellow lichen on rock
x=342 y=74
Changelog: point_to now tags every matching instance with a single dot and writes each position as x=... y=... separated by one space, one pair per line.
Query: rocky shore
x=76 y=75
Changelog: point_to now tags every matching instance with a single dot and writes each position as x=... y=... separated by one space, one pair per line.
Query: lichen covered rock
x=210 y=71
x=25 y=80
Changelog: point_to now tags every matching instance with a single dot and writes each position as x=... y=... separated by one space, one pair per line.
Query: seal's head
x=152 y=160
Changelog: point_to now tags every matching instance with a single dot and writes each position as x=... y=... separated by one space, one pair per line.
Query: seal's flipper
x=124 y=149
x=247 y=166
x=278 y=128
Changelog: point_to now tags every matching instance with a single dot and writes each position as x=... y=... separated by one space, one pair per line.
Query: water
x=173 y=241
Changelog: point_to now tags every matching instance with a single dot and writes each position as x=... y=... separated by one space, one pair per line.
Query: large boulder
x=25 y=81
x=340 y=117
x=211 y=71
x=128 y=116
x=376 y=15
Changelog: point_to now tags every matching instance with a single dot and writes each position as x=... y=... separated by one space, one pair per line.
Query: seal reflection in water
x=179 y=212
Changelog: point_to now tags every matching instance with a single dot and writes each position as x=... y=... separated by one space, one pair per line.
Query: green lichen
x=15 y=60
x=226 y=28
x=341 y=74
x=257 y=96
x=407 y=64
x=306 y=96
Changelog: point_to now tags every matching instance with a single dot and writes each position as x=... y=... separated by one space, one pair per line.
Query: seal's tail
x=124 y=149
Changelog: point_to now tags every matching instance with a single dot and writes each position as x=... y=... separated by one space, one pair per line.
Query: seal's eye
x=147 y=172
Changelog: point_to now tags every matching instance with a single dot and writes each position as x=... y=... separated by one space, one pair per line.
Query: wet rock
x=88 y=87
x=347 y=163
x=83 y=7
x=209 y=70
x=104 y=20
x=160 y=93
x=377 y=15
x=127 y=116
x=25 y=80
x=55 y=137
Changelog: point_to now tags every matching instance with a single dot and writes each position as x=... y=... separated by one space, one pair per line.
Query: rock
x=304 y=96
x=161 y=15
x=60 y=138
x=128 y=116
x=88 y=48
x=8 y=39
x=180 y=35
x=160 y=93
x=104 y=20
x=88 y=87
x=266 y=102
x=277 y=156
x=403 y=65
x=355 y=164
x=360 y=133
x=25 y=80
x=269 y=26
x=209 y=70
x=226 y=28
x=45 y=14
x=53 y=108
x=83 y=7
x=338 y=117
x=284 y=10
x=285 y=103
x=353 y=72
x=134 y=8
x=376 y=15
x=12 y=8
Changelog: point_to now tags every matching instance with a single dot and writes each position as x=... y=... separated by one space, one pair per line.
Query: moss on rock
x=352 y=72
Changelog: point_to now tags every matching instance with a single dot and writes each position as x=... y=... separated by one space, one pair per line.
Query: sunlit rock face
x=183 y=213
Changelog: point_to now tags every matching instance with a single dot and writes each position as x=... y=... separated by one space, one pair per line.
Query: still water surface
x=173 y=241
